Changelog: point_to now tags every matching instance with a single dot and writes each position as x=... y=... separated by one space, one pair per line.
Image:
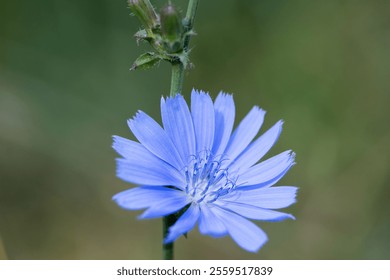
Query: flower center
x=206 y=180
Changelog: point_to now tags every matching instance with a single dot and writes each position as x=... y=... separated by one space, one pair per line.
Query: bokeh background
x=65 y=89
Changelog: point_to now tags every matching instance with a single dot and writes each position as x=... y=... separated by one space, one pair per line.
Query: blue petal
x=155 y=139
x=245 y=233
x=256 y=150
x=166 y=205
x=253 y=212
x=245 y=132
x=224 y=120
x=268 y=172
x=126 y=147
x=271 y=198
x=148 y=171
x=144 y=197
x=210 y=224
x=202 y=110
x=178 y=124
x=184 y=224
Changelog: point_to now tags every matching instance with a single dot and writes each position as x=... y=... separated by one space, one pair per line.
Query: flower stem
x=177 y=66
x=189 y=20
x=176 y=87
x=168 y=221
x=177 y=78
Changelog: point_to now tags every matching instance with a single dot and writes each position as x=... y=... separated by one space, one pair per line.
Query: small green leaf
x=145 y=61
x=184 y=58
x=191 y=33
x=142 y=34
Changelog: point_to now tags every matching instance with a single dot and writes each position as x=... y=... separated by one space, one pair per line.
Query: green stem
x=176 y=87
x=177 y=78
x=177 y=66
x=168 y=221
x=191 y=11
x=189 y=20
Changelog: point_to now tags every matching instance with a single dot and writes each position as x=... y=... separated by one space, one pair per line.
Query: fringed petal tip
x=195 y=91
x=225 y=94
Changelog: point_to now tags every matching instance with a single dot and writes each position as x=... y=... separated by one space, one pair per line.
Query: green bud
x=171 y=28
x=145 y=12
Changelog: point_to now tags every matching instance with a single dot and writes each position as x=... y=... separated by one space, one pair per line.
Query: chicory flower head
x=195 y=162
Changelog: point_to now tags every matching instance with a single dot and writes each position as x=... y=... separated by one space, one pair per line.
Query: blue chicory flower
x=195 y=161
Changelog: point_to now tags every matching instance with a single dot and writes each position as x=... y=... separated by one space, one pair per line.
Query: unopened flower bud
x=171 y=27
x=145 y=12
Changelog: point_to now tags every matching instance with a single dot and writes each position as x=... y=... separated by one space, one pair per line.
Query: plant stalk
x=176 y=87
x=177 y=66
x=168 y=221
x=177 y=78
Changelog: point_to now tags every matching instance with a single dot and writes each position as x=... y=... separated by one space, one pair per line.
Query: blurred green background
x=65 y=89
